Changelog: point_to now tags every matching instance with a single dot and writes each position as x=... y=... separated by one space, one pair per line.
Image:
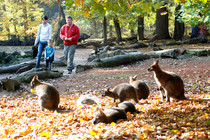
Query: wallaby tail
x=182 y=96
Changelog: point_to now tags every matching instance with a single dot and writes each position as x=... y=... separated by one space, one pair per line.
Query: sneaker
x=69 y=71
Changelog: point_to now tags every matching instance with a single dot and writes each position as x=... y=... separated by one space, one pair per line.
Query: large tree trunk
x=56 y=37
x=110 y=31
x=25 y=23
x=162 y=23
x=141 y=27
x=94 y=29
x=105 y=30
x=118 y=30
x=178 y=27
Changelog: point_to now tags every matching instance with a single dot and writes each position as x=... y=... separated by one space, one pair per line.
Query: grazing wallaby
x=84 y=36
x=10 y=84
x=127 y=106
x=48 y=96
x=122 y=91
x=109 y=115
x=168 y=83
x=141 y=87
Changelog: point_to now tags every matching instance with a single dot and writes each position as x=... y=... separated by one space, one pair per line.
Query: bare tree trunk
x=105 y=30
x=25 y=22
x=178 y=27
x=118 y=30
x=56 y=37
x=141 y=27
x=110 y=31
x=94 y=29
x=162 y=23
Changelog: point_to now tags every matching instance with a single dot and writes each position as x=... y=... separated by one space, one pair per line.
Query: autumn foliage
x=21 y=116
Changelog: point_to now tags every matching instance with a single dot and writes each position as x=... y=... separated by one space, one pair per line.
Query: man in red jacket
x=69 y=33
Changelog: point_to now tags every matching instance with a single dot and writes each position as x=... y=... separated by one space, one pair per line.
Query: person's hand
x=70 y=39
x=66 y=38
x=48 y=58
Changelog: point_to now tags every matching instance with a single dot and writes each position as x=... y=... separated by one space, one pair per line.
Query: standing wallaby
x=169 y=83
x=141 y=87
x=48 y=96
x=127 y=106
x=109 y=115
x=122 y=91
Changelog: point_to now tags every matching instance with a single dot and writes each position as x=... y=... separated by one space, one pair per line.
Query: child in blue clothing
x=49 y=54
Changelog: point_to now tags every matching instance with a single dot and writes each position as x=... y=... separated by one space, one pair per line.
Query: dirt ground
x=192 y=71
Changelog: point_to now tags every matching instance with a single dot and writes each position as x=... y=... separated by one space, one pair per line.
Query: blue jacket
x=49 y=52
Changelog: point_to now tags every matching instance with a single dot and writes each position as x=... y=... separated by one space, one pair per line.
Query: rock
x=87 y=99
x=81 y=68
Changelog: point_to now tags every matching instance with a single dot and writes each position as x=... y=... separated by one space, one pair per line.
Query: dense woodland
x=103 y=18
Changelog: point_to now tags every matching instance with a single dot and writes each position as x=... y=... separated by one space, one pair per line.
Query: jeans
x=69 y=52
x=40 y=50
x=48 y=64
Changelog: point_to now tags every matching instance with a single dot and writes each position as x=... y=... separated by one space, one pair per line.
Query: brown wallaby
x=48 y=96
x=109 y=115
x=10 y=84
x=122 y=91
x=141 y=87
x=127 y=106
x=168 y=83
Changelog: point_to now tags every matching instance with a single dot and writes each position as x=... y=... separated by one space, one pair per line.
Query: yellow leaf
x=81 y=120
x=44 y=134
x=113 y=124
x=33 y=90
x=92 y=133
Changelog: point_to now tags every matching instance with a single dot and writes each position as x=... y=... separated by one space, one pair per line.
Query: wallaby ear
x=101 y=112
x=36 y=77
x=156 y=62
x=108 y=89
x=134 y=77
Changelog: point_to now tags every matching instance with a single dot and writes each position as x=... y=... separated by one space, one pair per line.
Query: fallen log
x=43 y=74
x=25 y=66
x=122 y=59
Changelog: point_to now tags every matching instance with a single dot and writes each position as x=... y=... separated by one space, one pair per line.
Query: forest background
x=103 y=18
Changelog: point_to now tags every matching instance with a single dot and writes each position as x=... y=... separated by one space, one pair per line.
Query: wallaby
x=168 y=83
x=122 y=91
x=48 y=96
x=141 y=87
x=10 y=84
x=127 y=106
x=109 y=115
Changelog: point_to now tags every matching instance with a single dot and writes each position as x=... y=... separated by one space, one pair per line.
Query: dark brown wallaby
x=109 y=115
x=127 y=106
x=10 y=84
x=48 y=96
x=168 y=83
x=140 y=86
x=122 y=91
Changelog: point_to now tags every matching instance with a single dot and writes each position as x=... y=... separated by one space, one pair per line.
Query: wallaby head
x=132 y=79
x=34 y=82
x=100 y=117
x=154 y=66
x=107 y=93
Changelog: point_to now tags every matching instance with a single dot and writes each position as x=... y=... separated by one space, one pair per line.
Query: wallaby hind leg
x=135 y=99
x=167 y=96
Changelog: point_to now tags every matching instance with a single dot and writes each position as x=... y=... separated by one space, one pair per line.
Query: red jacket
x=72 y=33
